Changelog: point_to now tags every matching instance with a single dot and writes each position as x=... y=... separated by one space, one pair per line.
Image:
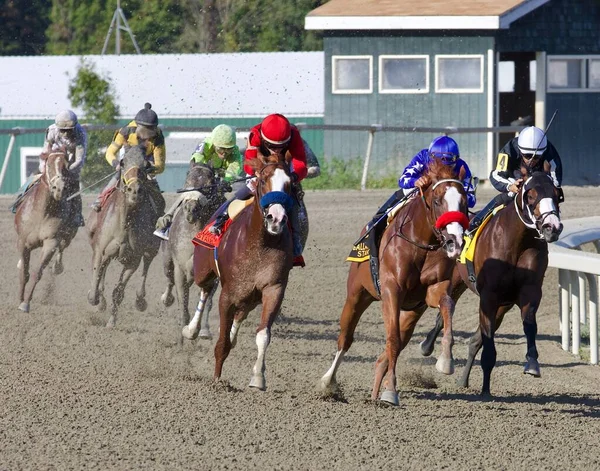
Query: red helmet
x=276 y=129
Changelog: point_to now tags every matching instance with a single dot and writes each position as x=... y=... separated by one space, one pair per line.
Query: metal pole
x=593 y=284
x=576 y=332
x=110 y=29
x=582 y=306
x=372 y=131
x=563 y=280
x=118 y=32
x=128 y=29
x=11 y=144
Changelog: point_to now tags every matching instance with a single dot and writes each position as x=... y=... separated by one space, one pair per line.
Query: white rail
x=575 y=269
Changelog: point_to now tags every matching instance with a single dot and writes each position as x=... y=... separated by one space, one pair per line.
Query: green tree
x=95 y=96
x=22 y=26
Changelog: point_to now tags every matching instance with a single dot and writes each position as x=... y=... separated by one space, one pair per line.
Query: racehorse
x=123 y=229
x=44 y=218
x=254 y=261
x=510 y=261
x=202 y=195
x=417 y=255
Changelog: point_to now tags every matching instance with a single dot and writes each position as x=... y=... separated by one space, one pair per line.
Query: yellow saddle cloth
x=468 y=251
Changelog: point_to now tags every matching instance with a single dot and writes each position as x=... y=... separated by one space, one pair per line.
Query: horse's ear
x=461 y=173
x=547 y=167
x=288 y=157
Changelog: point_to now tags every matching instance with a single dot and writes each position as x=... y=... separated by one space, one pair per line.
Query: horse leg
x=445 y=363
x=190 y=331
x=140 y=299
x=205 y=328
x=429 y=342
x=57 y=267
x=488 y=308
x=407 y=322
x=167 y=297
x=119 y=292
x=223 y=345
x=357 y=302
x=272 y=297
x=100 y=264
x=529 y=301
x=23 y=276
x=183 y=294
x=47 y=251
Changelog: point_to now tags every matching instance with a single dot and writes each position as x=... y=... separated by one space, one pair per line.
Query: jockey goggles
x=530 y=158
x=224 y=151
x=447 y=159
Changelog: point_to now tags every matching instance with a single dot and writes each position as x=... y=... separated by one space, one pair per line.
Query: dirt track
x=75 y=395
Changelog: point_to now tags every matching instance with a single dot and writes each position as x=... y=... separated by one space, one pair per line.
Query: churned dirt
x=75 y=395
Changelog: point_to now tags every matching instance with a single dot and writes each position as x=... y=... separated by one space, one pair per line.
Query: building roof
x=177 y=85
x=429 y=14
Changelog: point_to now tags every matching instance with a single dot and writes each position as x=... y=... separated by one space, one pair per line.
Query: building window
x=403 y=74
x=573 y=74
x=459 y=74
x=352 y=74
x=30 y=161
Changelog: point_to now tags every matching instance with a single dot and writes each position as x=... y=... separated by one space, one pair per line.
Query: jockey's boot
x=297 y=250
x=163 y=224
x=485 y=212
x=96 y=205
x=389 y=204
x=217 y=227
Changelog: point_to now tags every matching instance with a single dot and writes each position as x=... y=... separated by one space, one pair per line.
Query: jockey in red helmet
x=274 y=133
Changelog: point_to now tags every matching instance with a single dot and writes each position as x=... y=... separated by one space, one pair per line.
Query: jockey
x=67 y=133
x=144 y=131
x=218 y=151
x=521 y=156
x=444 y=148
x=274 y=133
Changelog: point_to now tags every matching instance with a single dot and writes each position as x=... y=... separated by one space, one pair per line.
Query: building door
x=516 y=89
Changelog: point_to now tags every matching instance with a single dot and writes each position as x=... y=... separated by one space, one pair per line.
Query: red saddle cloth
x=207 y=239
x=105 y=194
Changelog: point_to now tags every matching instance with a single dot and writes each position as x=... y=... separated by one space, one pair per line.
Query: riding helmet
x=532 y=140
x=146 y=117
x=65 y=120
x=444 y=148
x=276 y=129
x=223 y=136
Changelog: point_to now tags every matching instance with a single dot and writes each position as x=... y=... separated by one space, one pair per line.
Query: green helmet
x=223 y=136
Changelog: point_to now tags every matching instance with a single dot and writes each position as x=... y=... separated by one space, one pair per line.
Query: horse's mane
x=437 y=170
x=134 y=157
x=196 y=173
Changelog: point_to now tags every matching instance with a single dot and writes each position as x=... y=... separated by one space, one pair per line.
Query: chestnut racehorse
x=44 y=219
x=202 y=195
x=510 y=261
x=254 y=261
x=123 y=229
x=416 y=255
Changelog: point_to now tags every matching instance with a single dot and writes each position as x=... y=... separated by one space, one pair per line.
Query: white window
x=30 y=161
x=459 y=74
x=352 y=74
x=403 y=74
x=573 y=74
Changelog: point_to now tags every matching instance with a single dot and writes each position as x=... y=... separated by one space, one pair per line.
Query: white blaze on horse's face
x=276 y=216
x=453 y=200
x=551 y=225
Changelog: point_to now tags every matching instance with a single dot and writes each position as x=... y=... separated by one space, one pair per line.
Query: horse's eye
x=437 y=202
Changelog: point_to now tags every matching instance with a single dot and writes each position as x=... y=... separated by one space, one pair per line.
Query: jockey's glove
x=115 y=163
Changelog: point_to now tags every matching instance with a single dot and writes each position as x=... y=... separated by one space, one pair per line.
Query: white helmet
x=65 y=120
x=532 y=140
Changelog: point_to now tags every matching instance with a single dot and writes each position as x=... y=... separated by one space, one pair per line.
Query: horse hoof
x=111 y=322
x=462 y=383
x=445 y=366
x=390 y=397
x=532 y=367
x=19 y=264
x=205 y=334
x=327 y=386
x=93 y=300
x=57 y=269
x=141 y=304
x=24 y=307
x=188 y=334
x=426 y=349
x=102 y=304
x=258 y=382
x=167 y=299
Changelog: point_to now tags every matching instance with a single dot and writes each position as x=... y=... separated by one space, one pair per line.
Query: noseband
x=525 y=212
x=58 y=175
x=272 y=197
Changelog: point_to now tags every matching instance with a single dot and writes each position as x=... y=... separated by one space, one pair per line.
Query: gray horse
x=123 y=230
x=202 y=198
x=44 y=218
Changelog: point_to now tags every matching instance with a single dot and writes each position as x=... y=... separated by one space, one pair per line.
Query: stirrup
x=162 y=233
x=214 y=229
x=96 y=206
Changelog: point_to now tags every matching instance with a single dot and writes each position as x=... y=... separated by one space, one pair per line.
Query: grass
x=337 y=174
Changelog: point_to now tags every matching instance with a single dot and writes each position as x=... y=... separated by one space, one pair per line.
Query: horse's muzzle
x=552 y=232
x=452 y=247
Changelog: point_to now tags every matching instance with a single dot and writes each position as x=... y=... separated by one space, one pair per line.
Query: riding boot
x=77 y=210
x=396 y=197
x=97 y=204
x=221 y=215
x=502 y=198
x=220 y=220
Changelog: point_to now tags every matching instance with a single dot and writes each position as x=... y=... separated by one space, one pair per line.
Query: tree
x=94 y=95
x=22 y=26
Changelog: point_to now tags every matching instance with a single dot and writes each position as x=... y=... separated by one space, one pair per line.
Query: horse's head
x=57 y=172
x=446 y=201
x=203 y=179
x=133 y=174
x=273 y=189
x=539 y=201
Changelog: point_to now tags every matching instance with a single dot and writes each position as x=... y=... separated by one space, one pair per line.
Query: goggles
x=224 y=151
x=528 y=158
x=447 y=159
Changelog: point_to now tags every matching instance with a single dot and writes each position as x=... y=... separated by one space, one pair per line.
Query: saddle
x=207 y=239
x=33 y=181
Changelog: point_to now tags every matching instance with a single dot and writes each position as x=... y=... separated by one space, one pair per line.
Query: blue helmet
x=444 y=148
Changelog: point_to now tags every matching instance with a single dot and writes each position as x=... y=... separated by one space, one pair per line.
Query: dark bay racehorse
x=511 y=257
x=254 y=262
x=178 y=252
x=417 y=255
x=44 y=219
x=123 y=230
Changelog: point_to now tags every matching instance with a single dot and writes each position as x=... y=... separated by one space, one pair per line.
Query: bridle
x=271 y=197
x=437 y=224
x=59 y=174
x=524 y=212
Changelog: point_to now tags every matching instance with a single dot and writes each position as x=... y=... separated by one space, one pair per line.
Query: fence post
x=11 y=144
x=593 y=323
x=563 y=279
x=575 y=330
x=372 y=131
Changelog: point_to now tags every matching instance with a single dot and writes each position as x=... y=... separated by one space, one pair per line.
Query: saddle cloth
x=207 y=239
